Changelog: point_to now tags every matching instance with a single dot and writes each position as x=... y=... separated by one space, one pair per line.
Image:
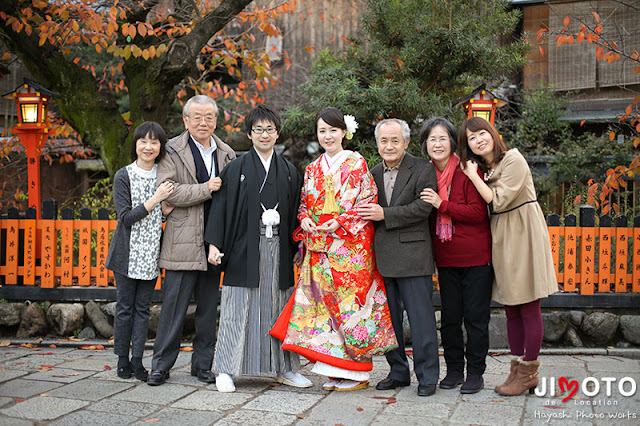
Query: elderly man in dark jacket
x=192 y=162
x=404 y=254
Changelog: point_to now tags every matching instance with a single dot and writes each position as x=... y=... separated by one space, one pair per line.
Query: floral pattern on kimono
x=338 y=314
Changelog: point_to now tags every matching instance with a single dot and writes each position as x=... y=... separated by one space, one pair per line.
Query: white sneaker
x=350 y=385
x=297 y=380
x=224 y=383
x=329 y=386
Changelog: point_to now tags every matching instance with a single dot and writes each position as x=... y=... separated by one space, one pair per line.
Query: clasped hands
x=309 y=226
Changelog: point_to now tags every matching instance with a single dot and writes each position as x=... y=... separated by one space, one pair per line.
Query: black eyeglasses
x=260 y=130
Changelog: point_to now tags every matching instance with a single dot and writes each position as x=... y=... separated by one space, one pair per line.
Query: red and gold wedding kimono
x=338 y=314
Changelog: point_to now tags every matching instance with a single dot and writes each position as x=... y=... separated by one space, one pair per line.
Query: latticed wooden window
x=575 y=66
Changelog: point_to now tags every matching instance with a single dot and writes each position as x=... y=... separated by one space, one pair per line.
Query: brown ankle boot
x=526 y=378
x=512 y=373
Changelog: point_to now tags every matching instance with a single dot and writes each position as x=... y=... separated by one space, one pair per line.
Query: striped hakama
x=244 y=345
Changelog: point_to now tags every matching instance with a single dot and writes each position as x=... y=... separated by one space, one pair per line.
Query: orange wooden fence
x=66 y=252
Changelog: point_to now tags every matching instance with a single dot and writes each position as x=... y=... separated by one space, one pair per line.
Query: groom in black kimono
x=258 y=201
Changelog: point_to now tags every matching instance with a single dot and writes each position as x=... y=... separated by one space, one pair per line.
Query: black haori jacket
x=234 y=220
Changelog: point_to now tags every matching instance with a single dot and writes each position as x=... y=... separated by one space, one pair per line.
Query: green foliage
x=539 y=130
x=571 y=159
x=416 y=58
x=97 y=197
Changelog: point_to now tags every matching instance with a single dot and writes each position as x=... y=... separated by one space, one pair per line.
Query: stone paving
x=73 y=386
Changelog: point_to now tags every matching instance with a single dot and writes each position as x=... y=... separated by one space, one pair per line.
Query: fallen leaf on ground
x=45 y=394
x=38 y=340
x=52 y=346
x=19 y=399
x=19 y=363
x=99 y=347
x=46 y=366
x=28 y=345
x=5 y=343
x=87 y=347
x=151 y=420
x=300 y=416
x=63 y=340
x=187 y=349
x=76 y=339
x=106 y=367
x=498 y=400
x=45 y=353
x=359 y=409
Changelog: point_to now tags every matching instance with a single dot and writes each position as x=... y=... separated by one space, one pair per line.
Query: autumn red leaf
x=566 y=21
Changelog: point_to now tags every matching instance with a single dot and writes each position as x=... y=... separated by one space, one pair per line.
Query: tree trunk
x=94 y=113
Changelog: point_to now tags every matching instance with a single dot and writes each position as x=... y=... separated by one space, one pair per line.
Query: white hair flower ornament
x=352 y=126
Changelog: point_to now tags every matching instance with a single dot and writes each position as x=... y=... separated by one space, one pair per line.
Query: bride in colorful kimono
x=338 y=316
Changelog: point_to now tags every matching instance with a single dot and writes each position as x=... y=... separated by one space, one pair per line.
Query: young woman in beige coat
x=521 y=251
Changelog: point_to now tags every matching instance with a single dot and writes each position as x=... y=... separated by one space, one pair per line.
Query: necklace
x=487 y=176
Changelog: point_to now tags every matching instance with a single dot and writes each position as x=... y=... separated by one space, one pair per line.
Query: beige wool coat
x=521 y=250
x=183 y=247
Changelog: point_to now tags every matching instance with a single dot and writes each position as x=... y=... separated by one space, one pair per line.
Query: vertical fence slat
x=29 y=269
x=555 y=232
x=635 y=283
x=112 y=227
x=621 y=254
x=49 y=243
x=84 y=247
x=13 y=241
x=605 y=276
x=587 y=249
x=48 y=253
x=102 y=246
x=570 y=252
x=66 y=247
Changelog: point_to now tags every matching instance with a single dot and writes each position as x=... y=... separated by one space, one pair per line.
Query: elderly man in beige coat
x=192 y=162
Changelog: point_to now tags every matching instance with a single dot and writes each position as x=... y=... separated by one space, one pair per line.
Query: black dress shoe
x=426 y=390
x=157 y=377
x=125 y=372
x=142 y=374
x=205 y=376
x=389 y=383
x=473 y=384
x=452 y=379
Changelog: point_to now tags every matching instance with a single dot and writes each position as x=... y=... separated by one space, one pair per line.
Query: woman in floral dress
x=338 y=317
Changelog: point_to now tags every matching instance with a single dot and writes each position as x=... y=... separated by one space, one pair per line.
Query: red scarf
x=444 y=226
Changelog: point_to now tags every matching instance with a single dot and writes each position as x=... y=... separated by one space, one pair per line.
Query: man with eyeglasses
x=192 y=162
x=257 y=206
